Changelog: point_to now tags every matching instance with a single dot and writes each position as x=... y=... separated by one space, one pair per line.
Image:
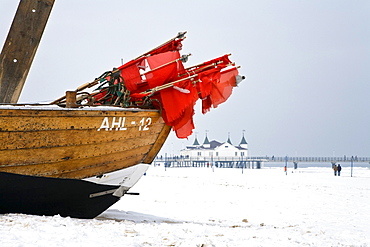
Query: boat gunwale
x=49 y=107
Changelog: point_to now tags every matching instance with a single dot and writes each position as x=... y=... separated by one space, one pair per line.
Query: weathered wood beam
x=21 y=45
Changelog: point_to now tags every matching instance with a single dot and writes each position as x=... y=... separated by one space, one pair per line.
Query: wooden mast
x=21 y=45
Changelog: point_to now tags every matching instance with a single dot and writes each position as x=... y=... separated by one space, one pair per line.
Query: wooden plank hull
x=77 y=143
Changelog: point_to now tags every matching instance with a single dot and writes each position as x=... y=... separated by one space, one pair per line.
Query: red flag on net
x=167 y=73
x=220 y=62
x=131 y=75
x=184 y=127
x=209 y=74
x=222 y=90
x=176 y=100
x=130 y=71
x=208 y=80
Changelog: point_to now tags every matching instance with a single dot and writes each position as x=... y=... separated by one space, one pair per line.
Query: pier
x=253 y=162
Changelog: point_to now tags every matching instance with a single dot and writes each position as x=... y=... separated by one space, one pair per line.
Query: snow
x=217 y=207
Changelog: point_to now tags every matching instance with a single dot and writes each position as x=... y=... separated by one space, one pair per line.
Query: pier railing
x=251 y=162
x=266 y=159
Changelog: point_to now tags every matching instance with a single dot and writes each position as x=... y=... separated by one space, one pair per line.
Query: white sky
x=307 y=64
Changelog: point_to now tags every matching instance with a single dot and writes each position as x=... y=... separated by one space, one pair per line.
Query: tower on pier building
x=216 y=149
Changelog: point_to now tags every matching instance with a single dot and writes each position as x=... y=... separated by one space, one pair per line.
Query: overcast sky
x=307 y=63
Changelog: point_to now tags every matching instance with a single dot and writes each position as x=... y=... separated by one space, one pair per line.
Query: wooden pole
x=164 y=65
x=21 y=45
x=71 y=99
x=180 y=35
x=167 y=85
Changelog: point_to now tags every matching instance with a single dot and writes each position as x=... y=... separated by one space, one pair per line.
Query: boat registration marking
x=119 y=123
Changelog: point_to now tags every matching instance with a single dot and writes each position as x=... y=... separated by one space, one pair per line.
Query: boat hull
x=54 y=196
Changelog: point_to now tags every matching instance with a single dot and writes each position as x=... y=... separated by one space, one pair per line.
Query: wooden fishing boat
x=53 y=147
x=79 y=154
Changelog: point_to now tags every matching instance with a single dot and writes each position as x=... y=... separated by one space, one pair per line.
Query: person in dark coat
x=339 y=168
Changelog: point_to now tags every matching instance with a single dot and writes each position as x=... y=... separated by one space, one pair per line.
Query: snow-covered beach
x=217 y=207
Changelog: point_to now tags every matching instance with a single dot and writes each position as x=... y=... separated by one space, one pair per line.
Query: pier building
x=213 y=153
x=216 y=149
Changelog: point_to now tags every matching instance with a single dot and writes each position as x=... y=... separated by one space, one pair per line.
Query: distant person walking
x=335 y=168
x=339 y=168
